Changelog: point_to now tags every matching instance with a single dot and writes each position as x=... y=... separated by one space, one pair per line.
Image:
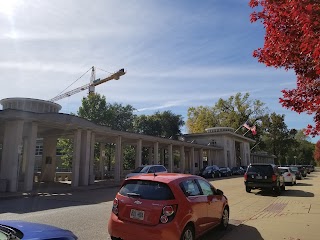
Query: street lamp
x=295 y=160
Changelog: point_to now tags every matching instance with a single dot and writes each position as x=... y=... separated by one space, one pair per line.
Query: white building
x=23 y=121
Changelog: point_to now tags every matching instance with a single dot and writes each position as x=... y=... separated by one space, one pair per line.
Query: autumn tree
x=292 y=42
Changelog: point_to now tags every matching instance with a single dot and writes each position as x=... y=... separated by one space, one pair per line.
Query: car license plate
x=136 y=214
x=258 y=177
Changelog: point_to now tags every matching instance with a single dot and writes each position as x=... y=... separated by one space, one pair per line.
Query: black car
x=225 y=171
x=296 y=171
x=264 y=177
x=237 y=171
x=211 y=172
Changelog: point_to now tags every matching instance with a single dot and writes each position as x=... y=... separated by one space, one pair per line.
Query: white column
x=138 y=161
x=48 y=168
x=192 y=160
x=150 y=156
x=76 y=158
x=200 y=158
x=162 y=156
x=12 y=142
x=156 y=153
x=29 y=152
x=118 y=152
x=102 y=159
x=91 y=164
x=182 y=160
x=170 y=158
x=210 y=161
x=85 y=157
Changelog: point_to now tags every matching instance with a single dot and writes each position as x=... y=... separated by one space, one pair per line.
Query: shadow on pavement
x=53 y=198
x=287 y=193
x=234 y=233
x=296 y=193
x=304 y=184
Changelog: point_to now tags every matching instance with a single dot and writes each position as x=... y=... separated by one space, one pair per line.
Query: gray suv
x=264 y=177
x=147 y=169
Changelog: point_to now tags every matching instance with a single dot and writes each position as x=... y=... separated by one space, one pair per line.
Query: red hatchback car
x=167 y=206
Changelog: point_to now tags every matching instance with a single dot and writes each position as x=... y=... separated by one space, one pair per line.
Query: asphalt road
x=86 y=213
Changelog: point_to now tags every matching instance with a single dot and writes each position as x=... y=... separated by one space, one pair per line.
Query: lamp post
x=295 y=160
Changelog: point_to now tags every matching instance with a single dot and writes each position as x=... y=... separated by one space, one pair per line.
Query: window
x=190 y=188
x=39 y=150
x=160 y=169
x=206 y=188
x=147 y=190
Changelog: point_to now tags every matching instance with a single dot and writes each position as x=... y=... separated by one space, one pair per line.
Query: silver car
x=147 y=169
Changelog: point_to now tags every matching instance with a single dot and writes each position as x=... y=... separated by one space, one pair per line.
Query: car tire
x=114 y=238
x=277 y=190
x=248 y=189
x=224 y=219
x=188 y=233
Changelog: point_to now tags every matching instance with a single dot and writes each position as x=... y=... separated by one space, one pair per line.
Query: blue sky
x=177 y=54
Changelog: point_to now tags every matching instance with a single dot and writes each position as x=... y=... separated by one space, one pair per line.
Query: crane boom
x=90 y=86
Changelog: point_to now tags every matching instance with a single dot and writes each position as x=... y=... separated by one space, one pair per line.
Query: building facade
x=30 y=128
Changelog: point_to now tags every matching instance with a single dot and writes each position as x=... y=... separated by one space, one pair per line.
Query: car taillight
x=274 y=178
x=115 y=205
x=288 y=174
x=168 y=213
x=245 y=176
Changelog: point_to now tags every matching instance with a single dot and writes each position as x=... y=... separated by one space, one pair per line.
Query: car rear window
x=261 y=169
x=150 y=190
x=283 y=170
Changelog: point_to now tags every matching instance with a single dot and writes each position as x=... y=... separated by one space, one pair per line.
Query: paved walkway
x=42 y=188
x=294 y=215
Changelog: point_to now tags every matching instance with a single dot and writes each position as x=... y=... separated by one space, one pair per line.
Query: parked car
x=302 y=170
x=225 y=171
x=296 y=171
x=147 y=169
x=264 y=177
x=10 y=229
x=167 y=206
x=237 y=171
x=289 y=176
x=211 y=172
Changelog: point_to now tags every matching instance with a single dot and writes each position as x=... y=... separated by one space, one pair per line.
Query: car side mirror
x=219 y=192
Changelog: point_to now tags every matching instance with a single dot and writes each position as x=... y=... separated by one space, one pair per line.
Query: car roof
x=163 y=177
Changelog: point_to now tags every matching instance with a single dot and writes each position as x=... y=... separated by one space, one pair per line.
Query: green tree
x=277 y=137
x=161 y=124
x=66 y=150
x=232 y=112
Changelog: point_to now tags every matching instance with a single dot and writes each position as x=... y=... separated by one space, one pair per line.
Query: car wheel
x=114 y=238
x=188 y=233
x=248 y=189
x=277 y=191
x=225 y=218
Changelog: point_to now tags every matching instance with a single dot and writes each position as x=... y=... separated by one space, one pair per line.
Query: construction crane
x=91 y=86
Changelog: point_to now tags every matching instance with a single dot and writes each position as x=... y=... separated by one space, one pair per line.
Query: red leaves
x=292 y=41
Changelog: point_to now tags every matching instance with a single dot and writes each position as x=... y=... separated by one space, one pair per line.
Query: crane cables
x=73 y=83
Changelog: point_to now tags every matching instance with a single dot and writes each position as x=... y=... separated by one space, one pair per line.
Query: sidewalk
x=42 y=188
